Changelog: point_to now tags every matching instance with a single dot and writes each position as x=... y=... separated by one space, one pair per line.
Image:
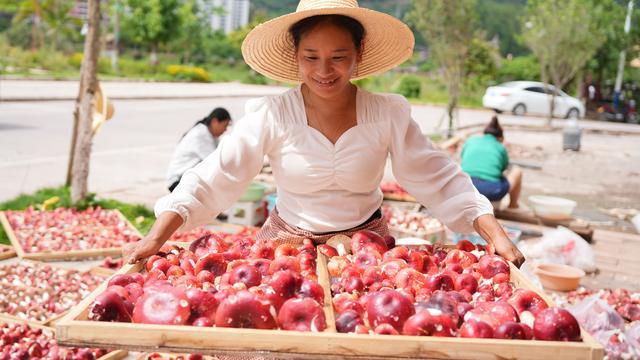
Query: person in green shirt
x=485 y=159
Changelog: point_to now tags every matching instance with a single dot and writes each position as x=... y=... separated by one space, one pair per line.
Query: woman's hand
x=164 y=226
x=140 y=250
x=490 y=230
x=509 y=251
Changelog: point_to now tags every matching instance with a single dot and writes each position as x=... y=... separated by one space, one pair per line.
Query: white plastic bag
x=633 y=336
x=561 y=246
x=595 y=315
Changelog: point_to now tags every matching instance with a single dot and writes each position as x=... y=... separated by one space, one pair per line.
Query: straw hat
x=269 y=49
x=103 y=110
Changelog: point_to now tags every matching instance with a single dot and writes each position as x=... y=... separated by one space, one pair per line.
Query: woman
x=327 y=141
x=485 y=159
x=196 y=144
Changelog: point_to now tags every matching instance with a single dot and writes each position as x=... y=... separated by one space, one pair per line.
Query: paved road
x=131 y=153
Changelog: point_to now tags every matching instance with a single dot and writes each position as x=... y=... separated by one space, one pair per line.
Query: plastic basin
x=559 y=277
x=551 y=207
x=254 y=192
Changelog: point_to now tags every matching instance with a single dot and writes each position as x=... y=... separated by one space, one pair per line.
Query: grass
x=140 y=216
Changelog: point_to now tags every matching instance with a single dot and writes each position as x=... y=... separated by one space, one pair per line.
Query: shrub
x=410 y=86
x=519 y=68
x=191 y=73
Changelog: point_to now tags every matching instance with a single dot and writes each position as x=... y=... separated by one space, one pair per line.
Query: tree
x=50 y=18
x=151 y=23
x=604 y=63
x=563 y=35
x=449 y=28
x=85 y=105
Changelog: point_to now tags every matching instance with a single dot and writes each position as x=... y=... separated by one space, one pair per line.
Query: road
x=131 y=153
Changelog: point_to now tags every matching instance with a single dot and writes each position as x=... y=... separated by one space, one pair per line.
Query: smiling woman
x=326 y=140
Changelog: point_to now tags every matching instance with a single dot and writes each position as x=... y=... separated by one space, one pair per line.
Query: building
x=229 y=15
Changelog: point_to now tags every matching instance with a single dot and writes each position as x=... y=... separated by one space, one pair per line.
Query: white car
x=531 y=97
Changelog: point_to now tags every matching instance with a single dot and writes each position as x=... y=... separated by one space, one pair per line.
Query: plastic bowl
x=559 y=277
x=254 y=192
x=552 y=207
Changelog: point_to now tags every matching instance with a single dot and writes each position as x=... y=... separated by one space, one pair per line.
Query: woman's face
x=217 y=127
x=327 y=58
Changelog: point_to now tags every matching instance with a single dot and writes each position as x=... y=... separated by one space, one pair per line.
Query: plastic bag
x=633 y=336
x=616 y=345
x=595 y=315
x=561 y=246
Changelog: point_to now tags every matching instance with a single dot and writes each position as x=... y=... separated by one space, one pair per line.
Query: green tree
x=481 y=64
x=604 y=63
x=501 y=20
x=449 y=27
x=563 y=35
x=51 y=21
x=151 y=23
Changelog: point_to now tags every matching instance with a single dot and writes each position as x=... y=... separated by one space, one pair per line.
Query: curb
x=69 y=98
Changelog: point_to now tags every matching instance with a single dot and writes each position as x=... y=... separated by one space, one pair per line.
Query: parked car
x=531 y=97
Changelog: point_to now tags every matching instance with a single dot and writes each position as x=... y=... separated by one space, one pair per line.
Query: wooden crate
x=9 y=253
x=113 y=355
x=62 y=255
x=76 y=330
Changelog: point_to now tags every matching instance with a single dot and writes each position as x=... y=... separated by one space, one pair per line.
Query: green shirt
x=484 y=157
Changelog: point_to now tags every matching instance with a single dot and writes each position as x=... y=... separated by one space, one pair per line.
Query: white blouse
x=321 y=186
x=195 y=146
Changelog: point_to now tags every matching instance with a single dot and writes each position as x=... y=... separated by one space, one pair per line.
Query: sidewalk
x=50 y=90
x=47 y=90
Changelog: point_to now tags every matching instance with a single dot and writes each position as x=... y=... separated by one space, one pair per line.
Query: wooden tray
x=113 y=355
x=51 y=321
x=62 y=255
x=399 y=197
x=7 y=254
x=438 y=236
x=74 y=329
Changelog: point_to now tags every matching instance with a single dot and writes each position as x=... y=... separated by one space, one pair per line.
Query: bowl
x=559 y=277
x=551 y=207
x=254 y=192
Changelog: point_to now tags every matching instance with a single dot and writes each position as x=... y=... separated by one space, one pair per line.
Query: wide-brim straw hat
x=269 y=48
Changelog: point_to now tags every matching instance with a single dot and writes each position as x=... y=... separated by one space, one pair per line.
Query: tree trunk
x=85 y=105
x=545 y=81
x=454 y=89
x=153 y=58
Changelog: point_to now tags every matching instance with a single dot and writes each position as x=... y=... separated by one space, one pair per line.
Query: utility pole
x=622 y=60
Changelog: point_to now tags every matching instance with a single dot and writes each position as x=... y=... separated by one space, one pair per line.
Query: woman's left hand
x=490 y=230
x=505 y=248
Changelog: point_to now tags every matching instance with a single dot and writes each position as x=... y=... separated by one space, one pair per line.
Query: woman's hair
x=351 y=25
x=494 y=128
x=220 y=114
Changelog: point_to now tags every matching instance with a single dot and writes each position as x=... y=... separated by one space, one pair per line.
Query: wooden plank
x=10 y=234
x=99 y=270
x=399 y=197
x=8 y=252
x=579 y=228
x=323 y=280
x=76 y=330
x=607 y=234
x=63 y=255
x=212 y=340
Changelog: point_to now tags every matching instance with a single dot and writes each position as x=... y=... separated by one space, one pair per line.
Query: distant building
x=229 y=14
